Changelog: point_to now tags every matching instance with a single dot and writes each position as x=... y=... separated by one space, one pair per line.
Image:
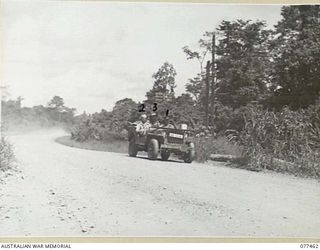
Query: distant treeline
x=14 y=116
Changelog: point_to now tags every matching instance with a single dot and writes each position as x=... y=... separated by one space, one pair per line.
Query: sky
x=94 y=53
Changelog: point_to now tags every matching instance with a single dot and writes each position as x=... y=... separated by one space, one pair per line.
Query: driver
x=167 y=123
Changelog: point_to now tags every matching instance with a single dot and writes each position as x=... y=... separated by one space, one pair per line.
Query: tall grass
x=285 y=141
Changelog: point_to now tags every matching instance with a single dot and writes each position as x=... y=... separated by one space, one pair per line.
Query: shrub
x=94 y=131
x=6 y=155
x=228 y=118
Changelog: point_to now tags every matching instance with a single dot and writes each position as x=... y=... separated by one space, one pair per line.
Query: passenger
x=143 y=125
x=154 y=120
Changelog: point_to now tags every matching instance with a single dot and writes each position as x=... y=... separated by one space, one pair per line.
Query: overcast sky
x=93 y=53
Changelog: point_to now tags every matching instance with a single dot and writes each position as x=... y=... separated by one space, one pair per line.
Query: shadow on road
x=146 y=158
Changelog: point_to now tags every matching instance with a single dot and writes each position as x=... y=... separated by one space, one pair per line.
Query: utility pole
x=213 y=78
x=207 y=94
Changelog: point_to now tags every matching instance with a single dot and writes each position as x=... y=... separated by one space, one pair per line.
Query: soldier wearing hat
x=154 y=120
x=143 y=125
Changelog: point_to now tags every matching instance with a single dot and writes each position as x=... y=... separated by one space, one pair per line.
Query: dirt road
x=64 y=191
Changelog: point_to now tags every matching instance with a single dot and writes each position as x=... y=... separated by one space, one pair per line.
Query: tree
x=194 y=87
x=58 y=112
x=185 y=110
x=165 y=78
x=164 y=82
x=123 y=111
x=296 y=55
x=56 y=102
x=205 y=46
x=242 y=60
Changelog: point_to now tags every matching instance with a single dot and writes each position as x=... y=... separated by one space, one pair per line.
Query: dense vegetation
x=6 y=155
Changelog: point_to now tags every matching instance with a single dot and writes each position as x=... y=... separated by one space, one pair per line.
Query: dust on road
x=64 y=191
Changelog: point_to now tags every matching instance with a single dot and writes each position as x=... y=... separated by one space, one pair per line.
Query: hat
x=143 y=116
x=153 y=114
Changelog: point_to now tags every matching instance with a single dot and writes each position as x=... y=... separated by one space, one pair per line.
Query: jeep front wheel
x=153 y=149
x=132 y=148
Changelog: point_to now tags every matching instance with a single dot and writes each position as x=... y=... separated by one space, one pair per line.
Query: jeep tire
x=132 y=148
x=153 y=149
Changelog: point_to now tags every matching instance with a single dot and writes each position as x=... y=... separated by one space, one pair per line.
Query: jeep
x=163 y=141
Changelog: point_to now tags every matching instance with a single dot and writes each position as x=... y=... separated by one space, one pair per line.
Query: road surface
x=64 y=191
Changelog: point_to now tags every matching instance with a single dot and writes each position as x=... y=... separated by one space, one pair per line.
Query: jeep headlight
x=183 y=126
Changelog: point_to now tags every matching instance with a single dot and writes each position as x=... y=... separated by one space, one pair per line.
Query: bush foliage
x=6 y=155
x=293 y=137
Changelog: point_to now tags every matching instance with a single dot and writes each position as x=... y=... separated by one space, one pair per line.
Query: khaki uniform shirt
x=142 y=128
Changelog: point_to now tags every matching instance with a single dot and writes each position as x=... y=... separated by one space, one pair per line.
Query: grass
x=117 y=146
x=6 y=155
x=205 y=146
